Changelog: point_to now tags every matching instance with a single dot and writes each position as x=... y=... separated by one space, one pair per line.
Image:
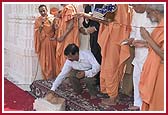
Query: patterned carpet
x=76 y=102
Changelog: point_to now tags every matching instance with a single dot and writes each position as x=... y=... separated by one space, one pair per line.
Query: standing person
x=152 y=77
x=55 y=10
x=67 y=33
x=83 y=35
x=113 y=54
x=43 y=32
x=93 y=29
x=141 y=48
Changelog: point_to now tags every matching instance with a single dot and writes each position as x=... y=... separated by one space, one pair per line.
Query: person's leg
x=137 y=98
x=136 y=79
x=97 y=76
x=75 y=82
x=127 y=85
x=91 y=85
x=127 y=82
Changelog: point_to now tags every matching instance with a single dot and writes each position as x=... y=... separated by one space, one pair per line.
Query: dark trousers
x=76 y=83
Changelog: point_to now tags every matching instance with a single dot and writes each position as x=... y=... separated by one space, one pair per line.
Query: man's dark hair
x=42 y=6
x=71 y=49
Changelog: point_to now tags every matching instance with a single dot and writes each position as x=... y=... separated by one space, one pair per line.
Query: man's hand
x=79 y=14
x=127 y=41
x=80 y=74
x=144 y=33
x=40 y=28
x=139 y=43
x=91 y=30
x=82 y=30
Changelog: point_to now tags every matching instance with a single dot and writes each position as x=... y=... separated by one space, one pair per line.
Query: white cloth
x=139 y=20
x=86 y=62
x=84 y=39
x=136 y=79
x=92 y=7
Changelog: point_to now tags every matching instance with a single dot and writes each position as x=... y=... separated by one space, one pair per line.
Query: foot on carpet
x=109 y=101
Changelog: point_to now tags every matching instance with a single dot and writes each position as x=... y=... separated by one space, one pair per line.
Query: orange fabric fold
x=113 y=54
x=73 y=37
x=152 y=77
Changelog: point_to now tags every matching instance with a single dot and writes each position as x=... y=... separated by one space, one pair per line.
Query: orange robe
x=54 y=42
x=44 y=47
x=73 y=36
x=113 y=54
x=152 y=77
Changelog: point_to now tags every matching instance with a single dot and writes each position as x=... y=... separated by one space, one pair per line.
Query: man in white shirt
x=79 y=65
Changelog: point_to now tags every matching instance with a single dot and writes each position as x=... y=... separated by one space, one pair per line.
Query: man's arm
x=145 y=34
x=65 y=70
x=95 y=65
x=69 y=28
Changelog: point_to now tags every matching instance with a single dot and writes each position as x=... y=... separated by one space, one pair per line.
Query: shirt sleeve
x=65 y=70
x=95 y=65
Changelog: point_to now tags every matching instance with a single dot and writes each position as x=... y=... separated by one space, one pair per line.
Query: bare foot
x=109 y=101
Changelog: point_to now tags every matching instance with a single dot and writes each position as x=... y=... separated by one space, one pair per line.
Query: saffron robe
x=152 y=78
x=67 y=14
x=44 y=47
x=113 y=54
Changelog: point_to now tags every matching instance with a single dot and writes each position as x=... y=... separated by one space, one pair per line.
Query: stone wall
x=20 y=60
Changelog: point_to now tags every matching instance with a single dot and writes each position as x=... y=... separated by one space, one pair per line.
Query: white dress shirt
x=140 y=20
x=86 y=63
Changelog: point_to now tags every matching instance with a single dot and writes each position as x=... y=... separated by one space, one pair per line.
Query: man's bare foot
x=109 y=101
